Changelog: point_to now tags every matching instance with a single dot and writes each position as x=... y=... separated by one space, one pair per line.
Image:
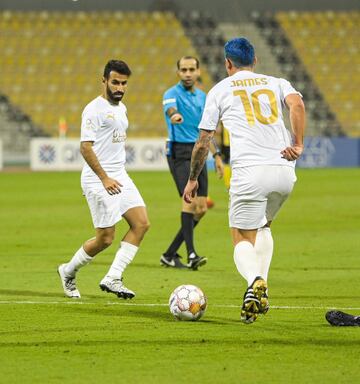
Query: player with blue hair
x=262 y=159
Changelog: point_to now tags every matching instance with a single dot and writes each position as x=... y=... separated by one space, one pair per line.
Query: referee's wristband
x=217 y=153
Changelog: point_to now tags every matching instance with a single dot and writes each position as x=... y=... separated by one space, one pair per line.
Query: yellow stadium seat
x=58 y=59
x=329 y=50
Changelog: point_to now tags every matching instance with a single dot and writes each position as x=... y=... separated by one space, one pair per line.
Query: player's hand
x=176 y=118
x=190 y=191
x=112 y=186
x=292 y=153
x=219 y=167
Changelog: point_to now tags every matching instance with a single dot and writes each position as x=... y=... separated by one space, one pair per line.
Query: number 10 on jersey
x=252 y=106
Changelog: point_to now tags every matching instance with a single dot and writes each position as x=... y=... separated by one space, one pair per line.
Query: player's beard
x=114 y=98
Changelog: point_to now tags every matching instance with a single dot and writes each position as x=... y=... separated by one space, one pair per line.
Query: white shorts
x=257 y=193
x=106 y=210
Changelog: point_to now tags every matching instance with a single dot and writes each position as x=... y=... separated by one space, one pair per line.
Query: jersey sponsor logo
x=110 y=116
x=118 y=137
x=248 y=82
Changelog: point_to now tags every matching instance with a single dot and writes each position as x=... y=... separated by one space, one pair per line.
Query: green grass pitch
x=45 y=338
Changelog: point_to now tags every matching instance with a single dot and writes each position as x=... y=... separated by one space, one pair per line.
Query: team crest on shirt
x=110 y=115
x=118 y=137
x=90 y=124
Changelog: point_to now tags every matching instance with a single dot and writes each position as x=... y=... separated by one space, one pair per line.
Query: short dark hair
x=240 y=51
x=118 y=66
x=188 y=58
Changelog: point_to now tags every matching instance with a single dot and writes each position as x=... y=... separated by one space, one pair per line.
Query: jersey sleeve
x=211 y=114
x=287 y=89
x=89 y=125
x=169 y=100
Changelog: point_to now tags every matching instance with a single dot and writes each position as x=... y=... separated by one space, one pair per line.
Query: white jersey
x=250 y=107
x=105 y=125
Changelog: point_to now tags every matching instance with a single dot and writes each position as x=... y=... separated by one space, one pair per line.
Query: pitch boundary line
x=28 y=302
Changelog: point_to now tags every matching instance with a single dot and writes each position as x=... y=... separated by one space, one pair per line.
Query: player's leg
x=247 y=264
x=134 y=212
x=264 y=246
x=83 y=256
x=279 y=186
x=246 y=215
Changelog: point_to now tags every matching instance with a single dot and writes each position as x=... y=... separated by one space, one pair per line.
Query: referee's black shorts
x=179 y=164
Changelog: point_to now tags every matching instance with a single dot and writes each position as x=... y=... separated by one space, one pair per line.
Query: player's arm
x=112 y=186
x=198 y=159
x=297 y=120
x=216 y=153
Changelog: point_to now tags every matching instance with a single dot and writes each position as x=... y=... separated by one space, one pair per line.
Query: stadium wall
x=1 y=155
x=64 y=154
x=149 y=154
x=225 y=10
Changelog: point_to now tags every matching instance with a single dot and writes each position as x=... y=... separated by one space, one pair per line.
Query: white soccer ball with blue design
x=187 y=302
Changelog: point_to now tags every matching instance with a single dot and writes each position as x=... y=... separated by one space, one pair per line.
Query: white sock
x=123 y=258
x=264 y=246
x=80 y=259
x=246 y=260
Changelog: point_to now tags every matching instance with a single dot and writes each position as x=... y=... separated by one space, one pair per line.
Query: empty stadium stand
x=52 y=63
x=328 y=44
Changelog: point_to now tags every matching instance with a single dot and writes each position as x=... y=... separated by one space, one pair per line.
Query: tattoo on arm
x=200 y=153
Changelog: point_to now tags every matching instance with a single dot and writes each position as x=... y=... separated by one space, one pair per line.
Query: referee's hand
x=176 y=118
x=190 y=191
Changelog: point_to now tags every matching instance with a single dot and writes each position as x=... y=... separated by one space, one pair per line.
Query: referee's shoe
x=195 y=261
x=172 y=261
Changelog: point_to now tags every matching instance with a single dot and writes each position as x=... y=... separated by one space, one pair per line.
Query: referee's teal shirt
x=191 y=106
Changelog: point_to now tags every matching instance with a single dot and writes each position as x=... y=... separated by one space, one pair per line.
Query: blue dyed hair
x=240 y=51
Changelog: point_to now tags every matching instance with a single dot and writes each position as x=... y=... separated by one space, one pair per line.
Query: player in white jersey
x=108 y=189
x=262 y=158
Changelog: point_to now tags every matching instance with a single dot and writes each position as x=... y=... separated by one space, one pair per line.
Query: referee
x=183 y=106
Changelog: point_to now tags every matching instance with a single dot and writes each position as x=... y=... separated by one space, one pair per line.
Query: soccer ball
x=187 y=302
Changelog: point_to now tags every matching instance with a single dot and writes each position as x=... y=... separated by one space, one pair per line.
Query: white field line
x=76 y=302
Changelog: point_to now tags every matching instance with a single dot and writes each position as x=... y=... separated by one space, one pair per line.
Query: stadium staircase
x=209 y=38
x=328 y=44
x=291 y=63
x=16 y=129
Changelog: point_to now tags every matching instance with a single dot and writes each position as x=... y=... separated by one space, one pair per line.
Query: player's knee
x=106 y=240
x=142 y=226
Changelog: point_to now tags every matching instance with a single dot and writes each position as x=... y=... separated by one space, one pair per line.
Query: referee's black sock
x=178 y=240
x=187 y=226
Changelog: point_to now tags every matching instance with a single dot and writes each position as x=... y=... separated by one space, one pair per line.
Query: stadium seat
x=52 y=63
x=327 y=43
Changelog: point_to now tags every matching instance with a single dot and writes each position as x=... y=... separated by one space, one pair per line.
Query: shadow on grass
x=238 y=340
x=134 y=314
